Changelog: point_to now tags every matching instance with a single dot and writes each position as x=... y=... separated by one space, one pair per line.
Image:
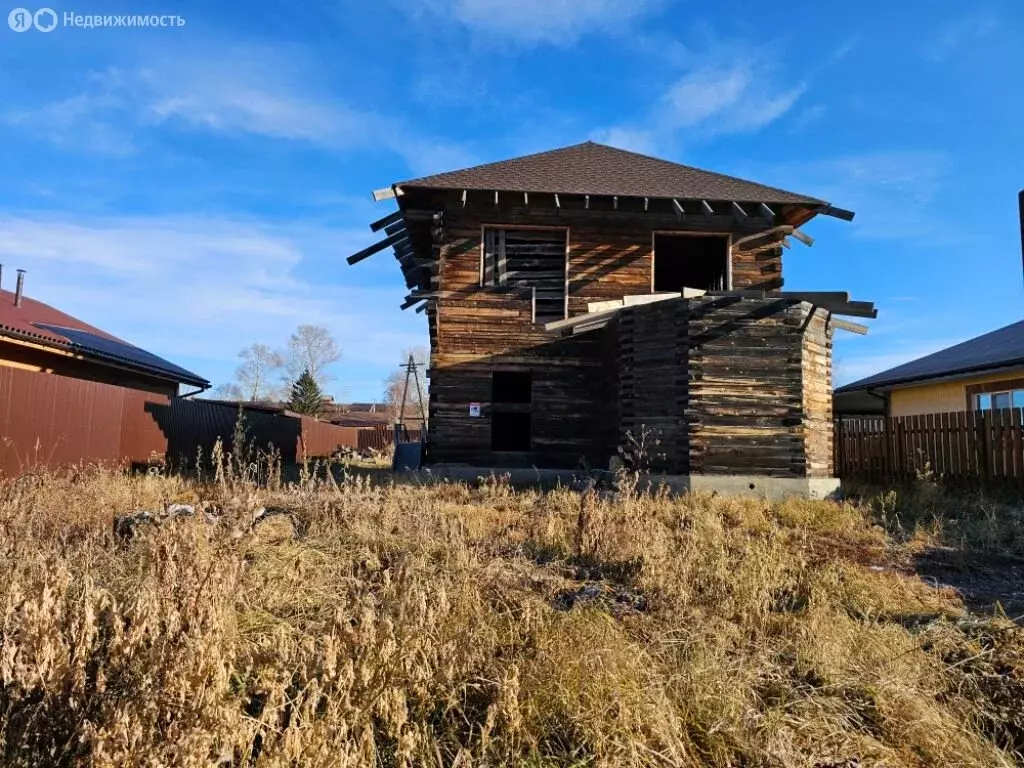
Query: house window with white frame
x=997 y=401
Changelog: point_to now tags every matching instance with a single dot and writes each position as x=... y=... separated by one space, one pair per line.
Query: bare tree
x=259 y=365
x=226 y=392
x=394 y=385
x=311 y=348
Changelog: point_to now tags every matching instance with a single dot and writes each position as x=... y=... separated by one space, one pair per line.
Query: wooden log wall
x=483 y=329
x=817 y=386
x=746 y=398
x=757 y=265
x=475 y=330
x=727 y=385
x=653 y=385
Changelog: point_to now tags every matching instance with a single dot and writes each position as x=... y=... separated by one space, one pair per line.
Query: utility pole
x=411 y=371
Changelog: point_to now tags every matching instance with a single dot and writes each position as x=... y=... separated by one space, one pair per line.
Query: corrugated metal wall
x=321 y=438
x=192 y=426
x=381 y=439
x=47 y=421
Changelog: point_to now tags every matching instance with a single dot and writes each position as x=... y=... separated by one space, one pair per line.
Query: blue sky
x=195 y=189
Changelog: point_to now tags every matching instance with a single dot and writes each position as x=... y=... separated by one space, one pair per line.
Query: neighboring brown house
x=70 y=392
x=583 y=299
x=358 y=414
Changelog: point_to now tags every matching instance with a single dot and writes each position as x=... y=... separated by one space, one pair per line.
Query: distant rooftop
x=1002 y=348
x=596 y=169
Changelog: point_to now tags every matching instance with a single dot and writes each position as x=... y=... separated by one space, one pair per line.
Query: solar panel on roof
x=118 y=350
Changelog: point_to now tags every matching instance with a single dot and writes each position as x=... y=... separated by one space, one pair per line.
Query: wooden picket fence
x=975 y=447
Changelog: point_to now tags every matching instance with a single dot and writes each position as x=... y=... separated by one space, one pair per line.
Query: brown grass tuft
x=446 y=625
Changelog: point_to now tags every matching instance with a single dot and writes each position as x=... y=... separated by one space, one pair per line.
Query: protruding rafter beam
x=678 y=207
x=706 y=209
x=615 y=202
x=775 y=233
x=422 y=307
x=355 y=258
x=738 y=212
x=558 y=203
x=839 y=213
x=464 y=195
x=586 y=202
x=786 y=244
x=846 y=325
x=805 y=239
x=817 y=296
x=646 y=202
x=526 y=199
x=495 y=198
x=414 y=262
x=392 y=229
x=391 y=218
x=766 y=213
x=384 y=194
x=410 y=300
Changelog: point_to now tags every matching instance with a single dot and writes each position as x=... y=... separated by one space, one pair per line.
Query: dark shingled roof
x=44 y=324
x=597 y=169
x=999 y=349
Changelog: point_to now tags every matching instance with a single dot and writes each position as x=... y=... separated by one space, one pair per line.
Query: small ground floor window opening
x=511 y=387
x=691 y=261
x=510 y=431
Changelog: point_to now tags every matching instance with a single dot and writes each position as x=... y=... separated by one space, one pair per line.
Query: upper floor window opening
x=529 y=258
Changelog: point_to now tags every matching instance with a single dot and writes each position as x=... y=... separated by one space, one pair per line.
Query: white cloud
x=959 y=32
x=706 y=93
x=197 y=289
x=728 y=90
x=240 y=92
x=892 y=191
x=559 y=22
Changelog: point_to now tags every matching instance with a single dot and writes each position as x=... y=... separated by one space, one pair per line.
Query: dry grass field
x=368 y=625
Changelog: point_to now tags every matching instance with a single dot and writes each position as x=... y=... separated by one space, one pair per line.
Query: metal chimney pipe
x=20 y=288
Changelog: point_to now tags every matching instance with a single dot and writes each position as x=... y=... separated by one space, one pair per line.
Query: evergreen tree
x=306 y=395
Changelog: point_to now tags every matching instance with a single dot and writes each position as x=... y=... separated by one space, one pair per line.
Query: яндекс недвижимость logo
x=22 y=19
x=46 y=20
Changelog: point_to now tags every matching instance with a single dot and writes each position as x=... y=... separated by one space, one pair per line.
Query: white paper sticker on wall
x=474 y=410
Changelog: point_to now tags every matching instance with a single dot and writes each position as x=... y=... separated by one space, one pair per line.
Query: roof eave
x=813 y=206
x=957 y=375
x=103 y=359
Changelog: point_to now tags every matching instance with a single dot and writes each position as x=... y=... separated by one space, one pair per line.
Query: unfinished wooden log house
x=587 y=298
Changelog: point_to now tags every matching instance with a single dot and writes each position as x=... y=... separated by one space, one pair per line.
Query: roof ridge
x=590 y=167
x=528 y=156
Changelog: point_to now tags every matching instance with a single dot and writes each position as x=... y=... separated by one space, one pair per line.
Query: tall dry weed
x=446 y=625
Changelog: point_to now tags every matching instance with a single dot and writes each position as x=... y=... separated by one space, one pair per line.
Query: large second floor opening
x=691 y=261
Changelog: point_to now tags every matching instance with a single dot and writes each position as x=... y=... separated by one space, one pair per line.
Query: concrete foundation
x=757 y=486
